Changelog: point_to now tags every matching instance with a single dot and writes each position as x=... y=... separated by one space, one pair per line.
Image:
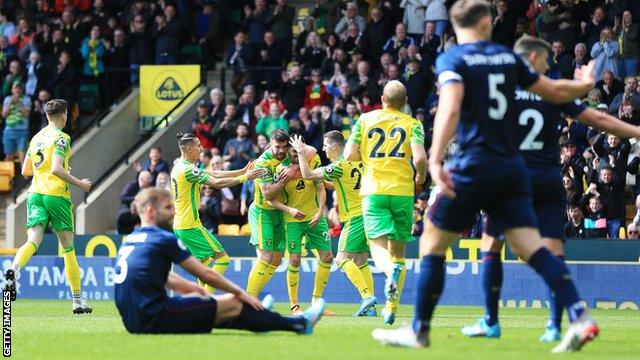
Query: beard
x=165 y=223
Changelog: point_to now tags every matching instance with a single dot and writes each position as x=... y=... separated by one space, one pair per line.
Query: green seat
x=190 y=54
x=88 y=98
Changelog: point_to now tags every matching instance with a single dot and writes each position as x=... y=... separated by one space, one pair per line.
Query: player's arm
x=26 y=166
x=288 y=209
x=419 y=152
x=58 y=170
x=231 y=173
x=352 y=147
x=207 y=275
x=322 y=202
x=608 y=123
x=562 y=91
x=444 y=127
x=224 y=182
x=181 y=285
x=303 y=161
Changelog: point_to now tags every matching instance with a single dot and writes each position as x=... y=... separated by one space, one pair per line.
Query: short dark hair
x=335 y=137
x=607 y=167
x=467 y=13
x=55 y=107
x=527 y=45
x=185 y=139
x=156 y=148
x=280 y=135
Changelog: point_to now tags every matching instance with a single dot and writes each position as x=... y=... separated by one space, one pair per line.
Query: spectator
x=504 y=24
x=351 y=40
x=375 y=35
x=116 y=59
x=167 y=32
x=313 y=53
x=36 y=75
x=238 y=57
x=610 y=191
x=561 y=63
x=581 y=55
x=573 y=193
x=573 y=164
x=246 y=108
x=22 y=39
x=140 y=46
x=280 y=21
x=316 y=92
x=210 y=208
x=202 y=125
x=595 y=223
x=627 y=113
x=605 y=53
x=350 y=16
x=592 y=30
x=15 y=111
x=429 y=43
x=574 y=228
x=609 y=87
x=398 y=41
x=92 y=51
x=346 y=122
x=217 y=104
x=225 y=129
x=7 y=28
x=418 y=85
x=246 y=195
x=311 y=128
x=361 y=81
x=308 y=26
x=206 y=30
x=291 y=88
x=38 y=115
x=155 y=165
x=268 y=100
x=255 y=22
x=414 y=15
x=437 y=12
x=72 y=32
x=239 y=151
x=144 y=180
x=628 y=36
x=269 y=57
x=127 y=220
x=632 y=232
x=275 y=120
x=15 y=74
x=630 y=93
x=163 y=181
x=612 y=151
x=7 y=52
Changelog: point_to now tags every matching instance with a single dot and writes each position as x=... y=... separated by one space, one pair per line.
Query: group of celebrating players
x=493 y=99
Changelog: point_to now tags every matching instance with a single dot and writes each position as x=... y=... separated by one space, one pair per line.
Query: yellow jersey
x=385 y=137
x=346 y=177
x=186 y=182
x=301 y=194
x=268 y=162
x=43 y=146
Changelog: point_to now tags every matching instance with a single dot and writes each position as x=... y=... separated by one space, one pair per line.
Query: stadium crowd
x=318 y=78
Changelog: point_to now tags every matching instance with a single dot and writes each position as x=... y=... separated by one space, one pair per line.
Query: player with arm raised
x=186 y=182
x=346 y=177
x=478 y=80
x=387 y=142
x=50 y=200
x=143 y=273
x=540 y=149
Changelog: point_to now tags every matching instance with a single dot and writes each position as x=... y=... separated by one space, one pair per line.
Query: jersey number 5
x=396 y=132
x=125 y=251
x=497 y=113
x=40 y=161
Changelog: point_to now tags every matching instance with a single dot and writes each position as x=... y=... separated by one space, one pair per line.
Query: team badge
x=61 y=144
x=329 y=168
x=196 y=172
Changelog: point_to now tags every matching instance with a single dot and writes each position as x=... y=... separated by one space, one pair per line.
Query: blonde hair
x=394 y=94
x=150 y=197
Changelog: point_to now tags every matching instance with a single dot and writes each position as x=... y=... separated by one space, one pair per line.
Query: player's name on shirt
x=527 y=95
x=493 y=59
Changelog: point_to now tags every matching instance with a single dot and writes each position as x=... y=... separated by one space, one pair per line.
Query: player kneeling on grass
x=143 y=271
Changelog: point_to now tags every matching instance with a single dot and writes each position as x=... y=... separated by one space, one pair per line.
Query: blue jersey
x=490 y=74
x=142 y=267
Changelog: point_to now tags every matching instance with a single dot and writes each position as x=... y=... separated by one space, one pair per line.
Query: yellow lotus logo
x=169 y=90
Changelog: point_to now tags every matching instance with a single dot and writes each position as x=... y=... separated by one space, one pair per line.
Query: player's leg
x=553 y=328
x=202 y=245
x=317 y=238
x=294 y=232
x=377 y=225
x=265 y=226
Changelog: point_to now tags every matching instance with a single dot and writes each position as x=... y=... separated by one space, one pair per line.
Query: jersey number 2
x=529 y=142
x=395 y=152
x=125 y=251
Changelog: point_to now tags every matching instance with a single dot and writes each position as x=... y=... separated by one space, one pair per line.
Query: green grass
x=47 y=329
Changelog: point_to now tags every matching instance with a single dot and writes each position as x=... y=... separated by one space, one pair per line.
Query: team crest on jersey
x=269 y=241
x=329 y=168
x=300 y=185
x=326 y=236
x=196 y=172
x=276 y=178
x=292 y=245
x=61 y=144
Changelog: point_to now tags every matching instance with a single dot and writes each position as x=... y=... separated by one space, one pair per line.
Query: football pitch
x=47 y=329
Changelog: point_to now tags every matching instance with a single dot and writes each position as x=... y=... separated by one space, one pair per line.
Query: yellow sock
x=25 y=253
x=72 y=269
x=257 y=277
x=221 y=264
x=393 y=305
x=293 y=282
x=355 y=276
x=208 y=288
x=322 y=276
x=368 y=277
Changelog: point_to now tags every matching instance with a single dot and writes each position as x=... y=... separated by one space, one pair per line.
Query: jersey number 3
x=119 y=277
x=396 y=132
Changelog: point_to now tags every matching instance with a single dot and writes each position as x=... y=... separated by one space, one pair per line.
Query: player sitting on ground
x=353 y=250
x=540 y=150
x=50 y=200
x=478 y=80
x=386 y=141
x=186 y=182
x=143 y=270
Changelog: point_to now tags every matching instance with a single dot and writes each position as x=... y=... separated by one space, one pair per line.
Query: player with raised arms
x=186 y=182
x=387 y=141
x=353 y=249
x=143 y=273
x=478 y=80
x=50 y=200
x=540 y=149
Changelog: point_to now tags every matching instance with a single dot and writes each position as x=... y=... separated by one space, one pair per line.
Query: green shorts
x=44 y=208
x=390 y=215
x=352 y=237
x=200 y=242
x=317 y=237
x=267 y=229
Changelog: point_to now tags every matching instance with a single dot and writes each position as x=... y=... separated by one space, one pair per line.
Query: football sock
x=557 y=276
x=393 y=305
x=428 y=290
x=72 y=269
x=555 y=307
x=221 y=264
x=322 y=276
x=355 y=276
x=492 y=276
x=368 y=276
x=208 y=288
x=23 y=255
x=257 y=277
x=293 y=282
x=265 y=320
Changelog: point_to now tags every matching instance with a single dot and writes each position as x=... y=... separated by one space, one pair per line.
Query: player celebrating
x=50 y=200
x=186 y=180
x=353 y=250
x=385 y=141
x=143 y=270
x=540 y=151
x=477 y=86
